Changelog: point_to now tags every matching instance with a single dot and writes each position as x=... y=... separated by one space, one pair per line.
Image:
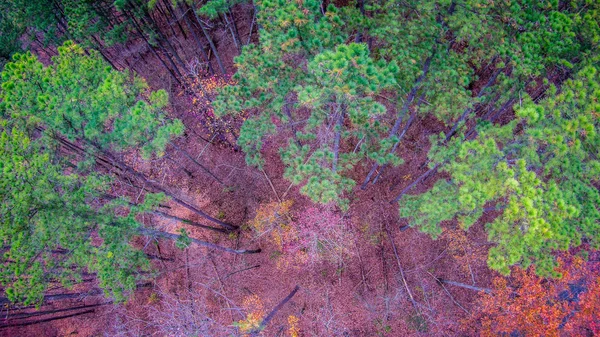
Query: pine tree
x=81 y=102
x=444 y=49
x=338 y=87
x=9 y=35
x=80 y=98
x=339 y=94
x=540 y=179
x=54 y=230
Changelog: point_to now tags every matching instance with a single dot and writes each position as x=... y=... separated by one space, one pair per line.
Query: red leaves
x=535 y=306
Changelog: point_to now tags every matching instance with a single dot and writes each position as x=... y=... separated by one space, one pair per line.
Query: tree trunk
x=210 y=41
x=152 y=232
x=410 y=98
x=206 y=170
x=186 y=19
x=469 y=110
x=407 y=188
x=25 y=315
x=233 y=28
x=270 y=316
x=171 y=11
x=47 y=319
x=408 y=124
x=142 y=34
x=188 y=222
x=466 y=286
x=159 y=188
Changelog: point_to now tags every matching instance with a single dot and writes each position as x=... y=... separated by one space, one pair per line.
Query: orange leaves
x=201 y=92
x=293 y=330
x=533 y=306
x=273 y=222
x=255 y=308
x=463 y=250
x=270 y=215
x=587 y=318
x=313 y=236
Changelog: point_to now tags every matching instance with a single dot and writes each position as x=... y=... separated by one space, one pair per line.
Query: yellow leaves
x=288 y=43
x=293 y=330
x=300 y=22
x=153 y=298
x=256 y=312
x=270 y=215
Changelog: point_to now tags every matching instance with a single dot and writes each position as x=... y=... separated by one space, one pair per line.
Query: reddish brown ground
x=365 y=296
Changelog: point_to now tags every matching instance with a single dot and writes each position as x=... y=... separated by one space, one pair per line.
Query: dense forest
x=300 y=168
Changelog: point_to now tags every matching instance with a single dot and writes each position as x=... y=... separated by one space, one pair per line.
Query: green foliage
x=301 y=54
x=56 y=222
x=541 y=179
x=213 y=8
x=302 y=62
x=9 y=36
x=339 y=94
x=183 y=241
x=54 y=229
x=81 y=98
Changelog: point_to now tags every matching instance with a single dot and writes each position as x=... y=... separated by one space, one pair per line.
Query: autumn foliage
x=529 y=305
x=201 y=91
x=313 y=235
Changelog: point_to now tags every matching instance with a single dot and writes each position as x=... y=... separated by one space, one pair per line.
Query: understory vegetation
x=300 y=168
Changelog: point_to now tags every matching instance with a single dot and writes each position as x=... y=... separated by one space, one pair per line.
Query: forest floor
x=366 y=294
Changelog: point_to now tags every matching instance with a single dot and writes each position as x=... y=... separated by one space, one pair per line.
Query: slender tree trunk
x=177 y=163
x=159 y=188
x=469 y=110
x=60 y=297
x=150 y=22
x=142 y=34
x=188 y=222
x=233 y=28
x=210 y=41
x=171 y=10
x=26 y=315
x=99 y=47
x=410 y=98
x=152 y=232
x=48 y=319
x=166 y=18
x=404 y=130
x=336 y=141
x=186 y=19
x=360 y=4
x=251 y=25
x=172 y=217
x=466 y=286
x=206 y=170
x=407 y=188
x=126 y=168
x=270 y=316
